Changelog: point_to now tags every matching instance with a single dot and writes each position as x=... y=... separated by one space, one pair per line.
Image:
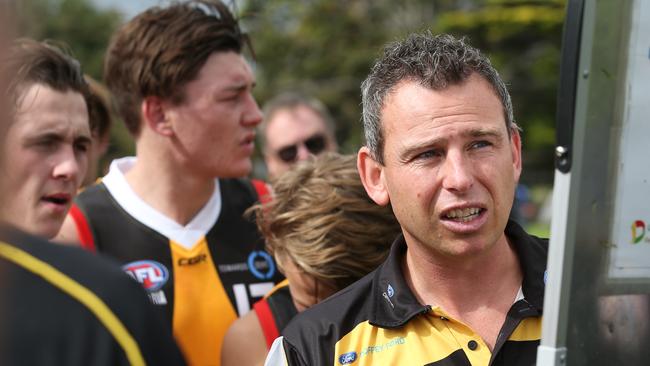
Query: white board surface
x=630 y=252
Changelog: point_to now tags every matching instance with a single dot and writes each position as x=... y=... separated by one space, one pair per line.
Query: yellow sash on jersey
x=202 y=310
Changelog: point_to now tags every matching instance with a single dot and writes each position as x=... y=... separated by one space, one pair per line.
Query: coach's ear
x=372 y=177
x=155 y=116
x=515 y=147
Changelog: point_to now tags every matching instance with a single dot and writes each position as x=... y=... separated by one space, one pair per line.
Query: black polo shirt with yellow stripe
x=65 y=306
x=378 y=321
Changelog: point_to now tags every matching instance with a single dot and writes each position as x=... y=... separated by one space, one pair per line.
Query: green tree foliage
x=77 y=23
x=325 y=48
x=523 y=41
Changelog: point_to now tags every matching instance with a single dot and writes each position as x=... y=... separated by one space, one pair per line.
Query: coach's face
x=45 y=157
x=450 y=168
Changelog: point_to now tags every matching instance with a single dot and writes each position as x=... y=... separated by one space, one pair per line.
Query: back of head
x=162 y=49
x=101 y=119
x=99 y=107
x=433 y=61
x=322 y=219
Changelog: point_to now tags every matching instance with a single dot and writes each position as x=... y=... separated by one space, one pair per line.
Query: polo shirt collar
x=395 y=304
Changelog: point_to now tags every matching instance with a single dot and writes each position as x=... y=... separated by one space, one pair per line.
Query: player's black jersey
x=65 y=306
x=275 y=311
x=201 y=289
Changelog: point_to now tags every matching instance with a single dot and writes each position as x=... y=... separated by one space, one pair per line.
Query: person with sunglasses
x=295 y=127
x=173 y=214
x=325 y=233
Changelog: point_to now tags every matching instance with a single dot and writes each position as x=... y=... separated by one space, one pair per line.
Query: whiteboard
x=630 y=234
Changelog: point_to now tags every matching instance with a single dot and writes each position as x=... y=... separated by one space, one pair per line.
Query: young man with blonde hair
x=325 y=233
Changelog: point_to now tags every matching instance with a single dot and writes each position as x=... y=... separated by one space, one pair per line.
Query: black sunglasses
x=315 y=145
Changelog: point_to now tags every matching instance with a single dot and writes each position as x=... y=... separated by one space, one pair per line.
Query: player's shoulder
x=336 y=315
x=85 y=291
x=97 y=273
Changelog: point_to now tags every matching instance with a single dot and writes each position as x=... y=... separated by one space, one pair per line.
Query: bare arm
x=68 y=234
x=244 y=343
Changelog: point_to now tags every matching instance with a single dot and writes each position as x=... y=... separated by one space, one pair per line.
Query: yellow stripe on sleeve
x=79 y=293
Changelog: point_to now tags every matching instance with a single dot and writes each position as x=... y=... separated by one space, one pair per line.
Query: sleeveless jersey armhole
x=263 y=192
x=265 y=317
x=83 y=229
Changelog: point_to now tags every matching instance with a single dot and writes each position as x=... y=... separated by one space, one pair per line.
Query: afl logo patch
x=347 y=358
x=261 y=265
x=151 y=274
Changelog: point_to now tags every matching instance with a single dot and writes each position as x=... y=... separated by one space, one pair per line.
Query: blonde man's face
x=306 y=291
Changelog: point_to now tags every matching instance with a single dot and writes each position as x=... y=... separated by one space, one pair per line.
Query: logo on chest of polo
x=388 y=294
x=347 y=358
x=152 y=276
x=351 y=357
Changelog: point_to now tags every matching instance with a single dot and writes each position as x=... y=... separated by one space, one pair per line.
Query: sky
x=128 y=7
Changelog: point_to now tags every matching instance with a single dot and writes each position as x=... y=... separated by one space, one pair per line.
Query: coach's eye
x=429 y=154
x=480 y=144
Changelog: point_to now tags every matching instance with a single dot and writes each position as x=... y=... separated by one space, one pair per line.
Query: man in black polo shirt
x=463 y=285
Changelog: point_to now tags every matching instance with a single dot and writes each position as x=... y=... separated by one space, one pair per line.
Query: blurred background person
x=101 y=116
x=60 y=306
x=295 y=127
x=325 y=233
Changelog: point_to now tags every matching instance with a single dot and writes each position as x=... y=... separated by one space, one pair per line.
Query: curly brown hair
x=322 y=219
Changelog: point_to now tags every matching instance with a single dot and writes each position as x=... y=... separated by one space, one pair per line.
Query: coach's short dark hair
x=433 y=61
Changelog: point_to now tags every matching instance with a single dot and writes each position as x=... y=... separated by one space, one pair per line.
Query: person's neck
x=165 y=186
x=463 y=285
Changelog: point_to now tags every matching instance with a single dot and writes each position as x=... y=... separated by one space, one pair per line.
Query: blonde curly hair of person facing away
x=324 y=222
